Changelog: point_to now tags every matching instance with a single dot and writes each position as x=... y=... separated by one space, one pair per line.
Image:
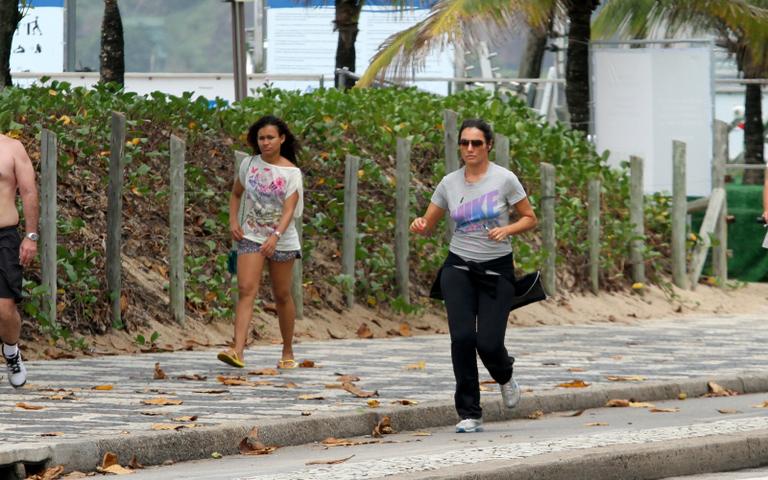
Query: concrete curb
x=636 y=462
x=154 y=448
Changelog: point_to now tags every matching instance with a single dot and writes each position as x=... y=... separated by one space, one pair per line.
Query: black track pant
x=477 y=323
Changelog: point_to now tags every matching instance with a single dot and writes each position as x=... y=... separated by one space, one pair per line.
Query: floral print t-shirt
x=266 y=188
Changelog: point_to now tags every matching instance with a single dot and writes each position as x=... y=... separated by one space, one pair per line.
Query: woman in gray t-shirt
x=476 y=279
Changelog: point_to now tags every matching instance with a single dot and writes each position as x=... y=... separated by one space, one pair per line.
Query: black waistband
x=9 y=228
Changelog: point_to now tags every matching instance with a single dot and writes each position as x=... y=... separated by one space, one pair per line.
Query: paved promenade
x=416 y=369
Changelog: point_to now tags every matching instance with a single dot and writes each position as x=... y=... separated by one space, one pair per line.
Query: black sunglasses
x=475 y=143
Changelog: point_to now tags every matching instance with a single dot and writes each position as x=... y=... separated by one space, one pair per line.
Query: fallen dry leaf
x=265 y=372
x=27 y=406
x=159 y=373
x=186 y=418
x=108 y=460
x=641 y=405
x=62 y=396
x=617 y=402
x=682 y=396
x=726 y=411
x=358 y=392
x=250 y=445
x=162 y=401
x=347 y=378
x=536 y=415
x=627 y=378
x=216 y=455
x=421 y=434
x=51 y=473
x=384 y=427
x=596 y=424
x=364 y=331
x=307 y=364
x=102 y=387
x=306 y=413
x=309 y=396
x=194 y=377
x=405 y=330
x=761 y=405
x=373 y=403
x=333 y=385
x=404 y=402
x=116 y=470
x=329 y=462
x=76 y=475
x=577 y=413
x=420 y=365
x=134 y=464
x=212 y=391
x=151 y=413
x=52 y=434
x=575 y=370
x=233 y=381
x=577 y=383
x=716 y=390
x=172 y=426
x=664 y=410
x=488 y=382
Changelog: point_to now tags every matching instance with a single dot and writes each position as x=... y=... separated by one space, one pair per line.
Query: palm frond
x=456 y=22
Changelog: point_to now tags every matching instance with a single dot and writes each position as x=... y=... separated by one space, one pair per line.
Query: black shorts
x=10 y=268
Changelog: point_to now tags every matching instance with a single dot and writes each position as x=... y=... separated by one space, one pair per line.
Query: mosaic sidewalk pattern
x=545 y=356
x=401 y=465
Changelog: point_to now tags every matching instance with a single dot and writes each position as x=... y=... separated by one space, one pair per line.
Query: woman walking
x=477 y=276
x=266 y=233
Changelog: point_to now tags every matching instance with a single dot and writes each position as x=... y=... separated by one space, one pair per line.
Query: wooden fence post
x=349 y=241
x=177 y=281
x=708 y=226
x=594 y=234
x=114 y=216
x=48 y=240
x=679 y=212
x=720 y=158
x=501 y=146
x=402 y=210
x=451 y=133
x=637 y=218
x=548 y=227
x=297 y=287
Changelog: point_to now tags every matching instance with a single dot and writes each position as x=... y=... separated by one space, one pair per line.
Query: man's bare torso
x=9 y=148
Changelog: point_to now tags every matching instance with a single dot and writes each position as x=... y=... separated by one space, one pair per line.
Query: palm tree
x=457 y=21
x=741 y=26
x=347 y=16
x=112 y=54
x=10 y=16
x=452 y=21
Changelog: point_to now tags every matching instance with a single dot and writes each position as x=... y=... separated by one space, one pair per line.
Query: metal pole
x=70 y=32
x=238 y=50
x=258 y=36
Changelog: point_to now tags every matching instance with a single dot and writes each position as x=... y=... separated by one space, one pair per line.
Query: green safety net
x=749 y=260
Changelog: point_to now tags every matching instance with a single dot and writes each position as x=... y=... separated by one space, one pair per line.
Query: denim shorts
x=248 y=246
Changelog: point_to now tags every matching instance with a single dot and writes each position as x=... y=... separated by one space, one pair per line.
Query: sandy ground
x=359 y=322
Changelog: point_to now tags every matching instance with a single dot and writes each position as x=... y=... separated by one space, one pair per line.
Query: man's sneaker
x=469 y=425
x=510 y=393
x=17 y=372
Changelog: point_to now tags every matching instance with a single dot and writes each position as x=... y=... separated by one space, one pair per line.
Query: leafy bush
x=330 y=124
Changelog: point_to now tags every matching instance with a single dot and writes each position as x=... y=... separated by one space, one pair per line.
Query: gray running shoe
x=470 y=425
x=510 y=393
x=17 y=372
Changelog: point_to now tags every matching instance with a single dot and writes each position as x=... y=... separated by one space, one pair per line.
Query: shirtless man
x=16 y=173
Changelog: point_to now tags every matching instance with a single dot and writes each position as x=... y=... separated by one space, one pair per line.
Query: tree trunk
x=754 y=134
x=577 y=64
x=10 y=16
x=347 y=16
x=112 y=45
x=533 y=55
